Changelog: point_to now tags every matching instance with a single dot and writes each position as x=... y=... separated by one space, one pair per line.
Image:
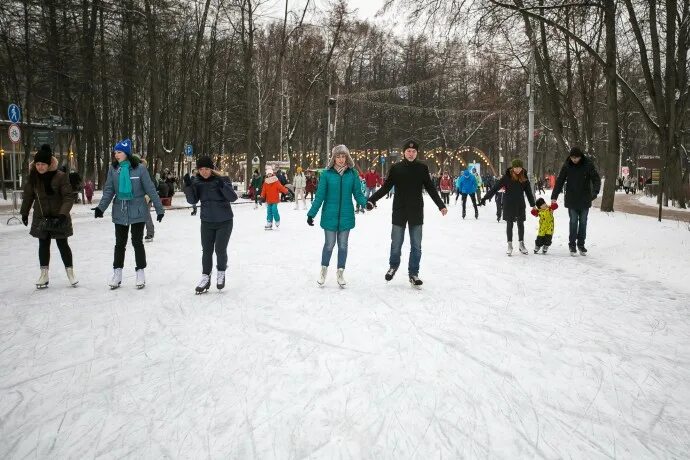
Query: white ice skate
x=340 y=278
x=70 y=276
x=322 y=275
x=116 y=280
x=141 y=279
x=523 y=249
x=268 y=226
x=43 y=279
x=220 y=279
x=203 y=285
x=509 y=251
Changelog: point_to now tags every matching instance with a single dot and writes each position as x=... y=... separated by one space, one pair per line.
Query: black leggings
x=446 y=197
x=121 y=232
x=521 y=230
x=215 y=237
x=44 y=251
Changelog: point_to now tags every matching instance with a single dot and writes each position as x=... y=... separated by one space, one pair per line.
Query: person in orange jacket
x=270 y=193
x=546 y=225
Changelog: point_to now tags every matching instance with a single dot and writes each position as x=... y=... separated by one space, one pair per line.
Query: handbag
x=49 y=224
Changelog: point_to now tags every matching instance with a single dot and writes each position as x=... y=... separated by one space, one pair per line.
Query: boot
x=544 y=249
x=390 y=273
x=141 y=279
x=509 y=251
x=116 y=280
x=340 y=278
x=536 y=249
x=523 y=249
x=203 y=284
x=70 y=276
x=322 y=275
x=268 y=226
x=220 y=279
x=571 y=247
x=43 y=279
x=416 y=282
x=476 y=213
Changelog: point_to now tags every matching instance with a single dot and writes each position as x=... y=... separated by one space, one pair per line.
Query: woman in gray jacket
x=127 y=184
x=215 y=192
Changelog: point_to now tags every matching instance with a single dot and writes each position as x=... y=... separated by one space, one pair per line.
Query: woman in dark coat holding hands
x=516 y=185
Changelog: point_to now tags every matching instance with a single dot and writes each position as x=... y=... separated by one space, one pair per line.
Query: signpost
x=15 y=135
x=14 y=114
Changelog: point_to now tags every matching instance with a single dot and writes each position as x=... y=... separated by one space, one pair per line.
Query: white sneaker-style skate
x=141 y=279
x=268 y=226
x=116 y=280
x=70 y=276
x=340 y=278
x=203 y=285
x=43 y=279
x=523 y=249
x=220 y=279
x=322 y=275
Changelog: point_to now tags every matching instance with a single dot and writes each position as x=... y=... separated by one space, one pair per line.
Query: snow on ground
x=544 y=356
x=651 y=201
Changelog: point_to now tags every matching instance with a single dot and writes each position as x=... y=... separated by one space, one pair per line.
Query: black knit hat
x=576 y=152
x=411 y=144
x=44 y=155
x=204 y=162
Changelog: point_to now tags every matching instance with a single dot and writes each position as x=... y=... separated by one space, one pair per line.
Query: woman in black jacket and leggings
x=215 y=193
x=516 y=185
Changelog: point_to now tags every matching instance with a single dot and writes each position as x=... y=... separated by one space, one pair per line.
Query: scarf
x=340 y=171
x=124 y=192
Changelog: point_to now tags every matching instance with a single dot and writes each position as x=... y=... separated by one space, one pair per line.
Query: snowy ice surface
x=537 y=356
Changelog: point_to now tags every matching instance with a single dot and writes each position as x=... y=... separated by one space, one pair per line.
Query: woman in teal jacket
x=338 y=184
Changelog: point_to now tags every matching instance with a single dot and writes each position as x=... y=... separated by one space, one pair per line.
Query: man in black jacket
x=582 y=185
x=409 y=177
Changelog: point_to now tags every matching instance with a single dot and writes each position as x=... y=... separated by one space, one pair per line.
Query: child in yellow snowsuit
x=545 y=234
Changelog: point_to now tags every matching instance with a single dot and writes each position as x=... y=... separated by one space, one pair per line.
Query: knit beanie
x=411 y=144
x=125 y=146
x=299 y=170
x=575 y=152
x=516 y=163
x=269 y=170
x=44 y=155
x=204 y=162
x=539 y=202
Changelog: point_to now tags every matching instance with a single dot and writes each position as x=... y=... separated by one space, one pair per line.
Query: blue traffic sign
x=188 y=150
x=14 y=113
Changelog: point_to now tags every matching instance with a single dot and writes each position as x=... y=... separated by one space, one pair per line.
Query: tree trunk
x=610 y=162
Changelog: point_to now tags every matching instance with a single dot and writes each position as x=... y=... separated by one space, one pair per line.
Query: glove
x=263 y=199
x=370 y=205
x=97 y=212
x=534 y=212
x=25 y=220
x=61 y=219
x=310 y=221
x=160 y=217
x=482 y=202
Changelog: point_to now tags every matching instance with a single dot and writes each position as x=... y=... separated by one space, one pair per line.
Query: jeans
x=121 y=232
x=215 y=236
x=44 y=251
x=578 y=226
x=329 y=243
x=150 y=229
x=272 y=212
x=370 y=191
x=521 y=230
x=397 y=238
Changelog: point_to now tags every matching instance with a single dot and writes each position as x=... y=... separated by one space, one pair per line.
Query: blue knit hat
x=125 y=146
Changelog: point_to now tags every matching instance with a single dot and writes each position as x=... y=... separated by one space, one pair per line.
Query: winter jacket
x=282 y=177
x=467 y=183
x=582 y=183
x=300 y=181
x=446 y=184
x=311 y=184
x=408 y=178
x=215 y=193
x=546 y=223
x=88 y=188
x=135 y=210
x=272 y=189
x=52 y=202
x=335 y=192
x=372 y=179
x=513 y=200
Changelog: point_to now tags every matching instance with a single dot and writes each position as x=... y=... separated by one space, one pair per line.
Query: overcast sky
x=366 y=9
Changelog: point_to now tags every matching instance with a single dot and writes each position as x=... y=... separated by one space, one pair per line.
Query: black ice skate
x=390 y=273
x=583 y=250
x=415 y=282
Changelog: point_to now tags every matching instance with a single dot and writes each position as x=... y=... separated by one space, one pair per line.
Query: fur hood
x=53 y=165
x=338 y=150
